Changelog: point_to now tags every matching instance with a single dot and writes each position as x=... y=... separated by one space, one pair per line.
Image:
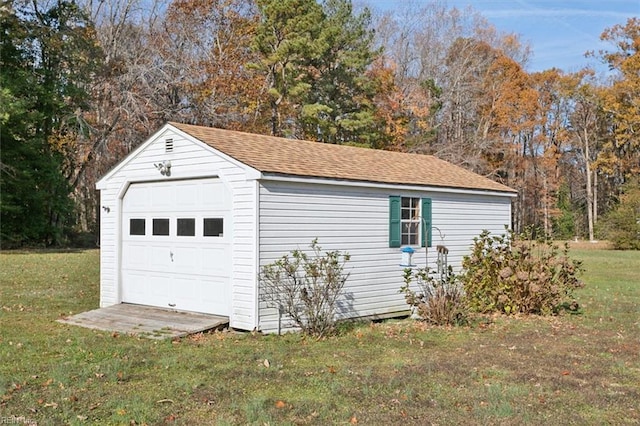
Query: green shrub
x=440 y=300
x=511 y=274
x=306 y=287
x=622 y=224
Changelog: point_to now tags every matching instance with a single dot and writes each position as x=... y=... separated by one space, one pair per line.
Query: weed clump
x=440 y=299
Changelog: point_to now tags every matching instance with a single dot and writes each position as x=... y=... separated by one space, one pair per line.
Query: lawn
x=572 y=369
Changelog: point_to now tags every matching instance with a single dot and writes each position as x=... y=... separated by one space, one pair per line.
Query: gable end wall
x=189 y=159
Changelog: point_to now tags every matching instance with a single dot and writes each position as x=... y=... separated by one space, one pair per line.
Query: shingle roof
x=269 y=154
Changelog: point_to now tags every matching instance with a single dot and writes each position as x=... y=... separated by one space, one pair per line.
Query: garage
x=175 y=251
x=189 y=218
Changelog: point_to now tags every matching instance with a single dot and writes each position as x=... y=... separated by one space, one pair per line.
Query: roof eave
x=273 y=176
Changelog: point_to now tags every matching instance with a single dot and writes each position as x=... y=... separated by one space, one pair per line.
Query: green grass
x=573 y=369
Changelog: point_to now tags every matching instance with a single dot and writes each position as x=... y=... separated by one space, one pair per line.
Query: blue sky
x=559 y=31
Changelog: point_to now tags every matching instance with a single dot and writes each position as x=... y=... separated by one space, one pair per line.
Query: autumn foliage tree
x=84 y=82
x=621 y=154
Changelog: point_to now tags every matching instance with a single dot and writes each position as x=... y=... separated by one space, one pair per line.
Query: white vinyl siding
x=356 y=220
x=189 y=159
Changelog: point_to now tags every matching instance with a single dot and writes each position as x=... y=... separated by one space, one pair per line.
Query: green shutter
x=426 y=223
x=394 y=221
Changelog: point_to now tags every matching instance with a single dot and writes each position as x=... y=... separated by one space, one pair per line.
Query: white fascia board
x=395 y=187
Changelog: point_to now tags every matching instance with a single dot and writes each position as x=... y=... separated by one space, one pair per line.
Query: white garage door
x=176 y=245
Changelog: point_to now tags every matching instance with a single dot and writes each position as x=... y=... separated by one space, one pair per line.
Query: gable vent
x=168 y=145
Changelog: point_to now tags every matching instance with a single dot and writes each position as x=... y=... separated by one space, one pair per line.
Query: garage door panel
x=188 y=196
x=147 y=289
x=215 y=261
x=187 y=261
x=137 y=199
x=214 y=196
x=190 y=267
x=160 y=258
x=163 y=198
x=158 y=288
x=217 y=297
x=185 y=292
x=134 y=256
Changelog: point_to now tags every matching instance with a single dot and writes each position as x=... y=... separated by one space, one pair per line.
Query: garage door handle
x=171 y=255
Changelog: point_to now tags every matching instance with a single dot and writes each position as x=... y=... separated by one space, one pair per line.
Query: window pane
x=136 y=226
x=406 y=214
x=413 y=234
x=213 y=227
x=406 y=202
x=160 y=226
x=405 y=228
x=413 y=228
x=187 y=227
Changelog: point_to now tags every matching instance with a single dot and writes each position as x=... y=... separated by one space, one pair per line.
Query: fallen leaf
x=280 y=404
x=566 y=373
x=353 y=420
x=163 y=401
x=53 y=405
x=332 y=369
x=82 y=418
x=266 y=363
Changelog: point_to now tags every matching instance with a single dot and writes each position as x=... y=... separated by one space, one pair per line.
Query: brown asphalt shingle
x=269 y=154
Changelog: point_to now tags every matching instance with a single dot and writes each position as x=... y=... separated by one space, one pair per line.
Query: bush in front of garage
x=306 y=287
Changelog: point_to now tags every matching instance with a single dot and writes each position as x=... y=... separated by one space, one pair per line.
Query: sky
x=559 y=31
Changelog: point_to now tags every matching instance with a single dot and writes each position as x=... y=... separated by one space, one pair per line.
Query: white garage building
x=189 y=217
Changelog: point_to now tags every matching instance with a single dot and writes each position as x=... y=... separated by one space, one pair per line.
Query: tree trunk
x=590 y=203
x=545 y=205
x=595 y=197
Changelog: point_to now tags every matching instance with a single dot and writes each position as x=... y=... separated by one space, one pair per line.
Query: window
x=410 y=221
x=136 y=226
x=186 y=227
x=213 y=227
x=409 y=218
x=160 y=226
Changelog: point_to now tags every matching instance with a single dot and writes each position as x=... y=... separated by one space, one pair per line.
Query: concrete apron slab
x=146 y=321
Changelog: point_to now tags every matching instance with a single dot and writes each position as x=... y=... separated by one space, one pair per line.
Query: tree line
x=83 y=82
